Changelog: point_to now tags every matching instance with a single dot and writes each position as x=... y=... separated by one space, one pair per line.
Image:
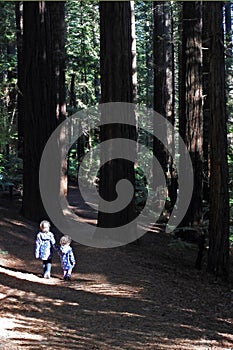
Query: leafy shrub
x=11 y=171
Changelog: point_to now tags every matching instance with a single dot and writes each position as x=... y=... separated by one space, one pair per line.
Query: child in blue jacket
x=45 y=242
x=67 y=257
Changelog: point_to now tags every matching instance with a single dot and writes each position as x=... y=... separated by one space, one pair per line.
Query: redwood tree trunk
x=20 y=110
x=116 y=86
x=43 y=91
x=191 y=113
x=206 y=105
x=163 y=52
x=218 y=260
x=134 y=52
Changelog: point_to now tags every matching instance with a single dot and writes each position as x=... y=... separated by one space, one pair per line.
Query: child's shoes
x=67 y=278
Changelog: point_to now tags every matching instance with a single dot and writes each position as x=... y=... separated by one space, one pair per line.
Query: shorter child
x=45 y=242
x=67 y=257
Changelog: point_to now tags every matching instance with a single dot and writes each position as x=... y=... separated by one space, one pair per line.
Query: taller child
x=45 y=242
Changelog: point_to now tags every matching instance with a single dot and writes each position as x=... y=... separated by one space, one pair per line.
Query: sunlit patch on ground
x=109 y=289
x=13 y=328
x=141 y=296
x=28 y=276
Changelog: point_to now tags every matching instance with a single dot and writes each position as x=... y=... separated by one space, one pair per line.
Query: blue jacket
x=44 y=245
x=67 y=257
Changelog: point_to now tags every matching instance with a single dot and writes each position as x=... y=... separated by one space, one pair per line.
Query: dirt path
x=136 y=297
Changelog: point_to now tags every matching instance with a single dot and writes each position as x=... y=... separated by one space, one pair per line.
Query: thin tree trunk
x=134 y=52
x=164 y=85
x=206 y=105
x=19 y=35
x=73 y=102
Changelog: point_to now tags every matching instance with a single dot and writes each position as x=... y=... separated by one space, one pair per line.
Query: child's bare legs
x=47 y=265
x=67 y=274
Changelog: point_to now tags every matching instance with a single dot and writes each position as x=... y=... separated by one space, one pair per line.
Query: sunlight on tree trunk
x=191 y=111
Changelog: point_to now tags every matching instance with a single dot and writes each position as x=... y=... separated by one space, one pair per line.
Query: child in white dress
x=45 y=242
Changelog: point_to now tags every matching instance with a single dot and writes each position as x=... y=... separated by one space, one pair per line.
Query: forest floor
x=141 y=296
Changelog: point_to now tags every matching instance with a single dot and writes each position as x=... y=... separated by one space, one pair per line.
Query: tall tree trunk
x=149 y=55
x=134 y=52
x=163 y=52
x=43 y=91
x=20 y=110
x=83 y=52
x=57 y=10
x=206 y=105
x=218 y=259
x=10 y=97
x=191 y=114
x=229 y=54
x=116 y=86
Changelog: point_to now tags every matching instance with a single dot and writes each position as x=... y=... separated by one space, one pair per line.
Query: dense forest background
x=57 y=58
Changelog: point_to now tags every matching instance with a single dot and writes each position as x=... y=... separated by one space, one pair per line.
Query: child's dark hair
x=65 y=240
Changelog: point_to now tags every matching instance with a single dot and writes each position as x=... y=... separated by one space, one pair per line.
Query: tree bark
x=218 y=259
x=43 y=92
x=116 y=86
x=163 y=52
x=134 y=52
x=206 y=105
x=19 y=36
x=191 y=113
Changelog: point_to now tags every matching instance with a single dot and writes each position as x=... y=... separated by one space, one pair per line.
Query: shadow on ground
x=140 y=296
